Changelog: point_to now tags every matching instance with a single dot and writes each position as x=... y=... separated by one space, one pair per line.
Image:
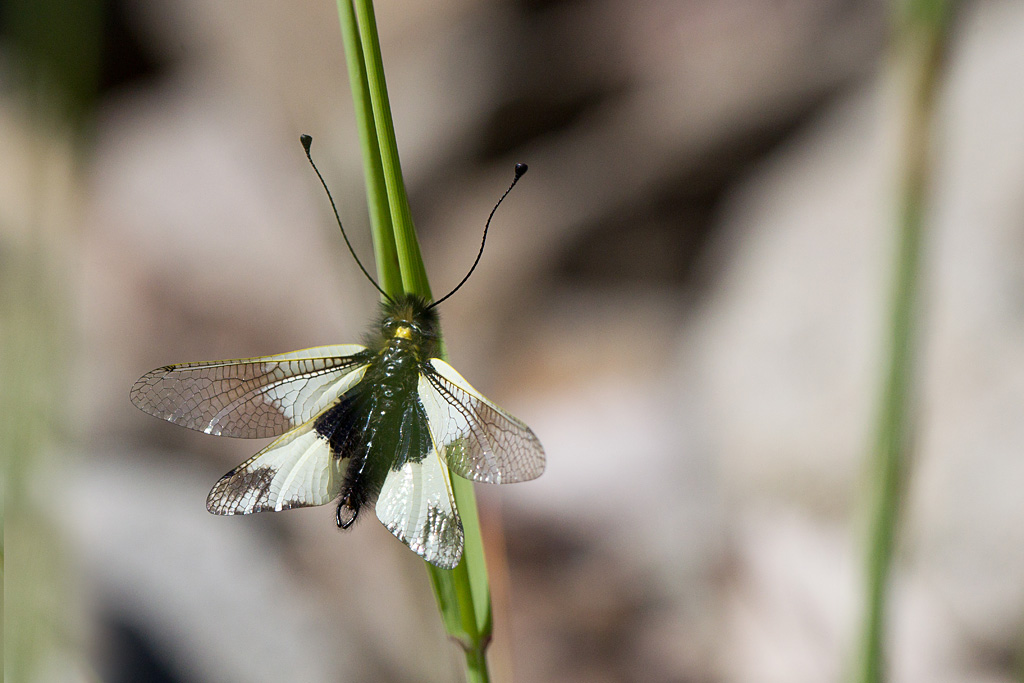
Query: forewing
x=417 y=506
x=480 y=441
x=250 y=397
x=296 y=470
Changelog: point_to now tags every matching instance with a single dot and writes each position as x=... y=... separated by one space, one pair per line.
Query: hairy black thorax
x=408 y=318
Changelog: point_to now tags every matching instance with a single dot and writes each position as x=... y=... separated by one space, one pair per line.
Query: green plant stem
x=385 y=251
x=921 y=39
x=413 y=272
x=463 y=594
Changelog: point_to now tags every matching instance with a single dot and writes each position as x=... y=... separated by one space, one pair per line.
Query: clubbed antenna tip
x=520 y=170
x=307 y=141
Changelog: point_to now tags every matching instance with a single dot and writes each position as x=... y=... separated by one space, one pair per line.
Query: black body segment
x=379 y=424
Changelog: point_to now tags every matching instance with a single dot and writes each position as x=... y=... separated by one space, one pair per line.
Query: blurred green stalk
x=29 y=355
x=921 y=34
x=52 y=62
x=463 y=594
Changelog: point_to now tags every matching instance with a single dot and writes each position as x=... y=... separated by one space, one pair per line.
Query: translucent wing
x=251 y=397
x=480 y=441
x=296 y=470
x=416 y=505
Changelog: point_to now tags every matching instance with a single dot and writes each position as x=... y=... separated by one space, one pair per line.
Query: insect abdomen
x=378 y=425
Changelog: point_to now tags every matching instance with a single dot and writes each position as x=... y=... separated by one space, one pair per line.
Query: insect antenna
x=520 y=172
x=307 y=141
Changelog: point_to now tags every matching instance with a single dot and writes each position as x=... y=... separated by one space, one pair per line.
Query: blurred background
x=685 y=299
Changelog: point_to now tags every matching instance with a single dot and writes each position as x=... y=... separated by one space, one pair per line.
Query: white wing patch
x=296 y=470
x=312 y=397
x=480 y=441
x=416 y=505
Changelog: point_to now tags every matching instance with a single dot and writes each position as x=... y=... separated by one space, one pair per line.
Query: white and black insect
x=382 y=423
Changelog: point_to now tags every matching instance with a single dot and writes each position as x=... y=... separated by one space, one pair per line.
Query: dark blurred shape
x=130 y=655
x=599 y=623
x=548 y=83
x=56 y=45
x=529 y=115
x=659 y=237
x=540 y=6
x=126 y=59
x=656 y=241
x=77 y=50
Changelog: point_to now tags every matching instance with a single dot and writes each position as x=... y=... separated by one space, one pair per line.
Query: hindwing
x=417 y=506
x=299 y=469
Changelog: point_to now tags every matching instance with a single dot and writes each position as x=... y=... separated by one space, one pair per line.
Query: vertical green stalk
x=385 y=251
x=463 y=594
x=52 y=61
x=920 y=45
x=414 y=274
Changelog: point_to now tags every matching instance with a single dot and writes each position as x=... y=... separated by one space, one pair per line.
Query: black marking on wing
x=254 y=398
x=238 y=484
x=343 y=425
